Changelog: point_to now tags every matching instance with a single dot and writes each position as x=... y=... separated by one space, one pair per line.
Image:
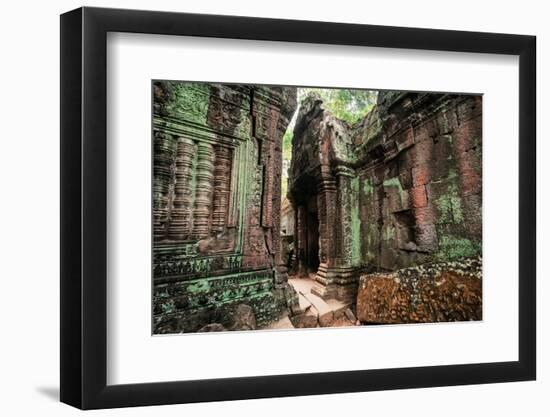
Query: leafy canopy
x=348 y=105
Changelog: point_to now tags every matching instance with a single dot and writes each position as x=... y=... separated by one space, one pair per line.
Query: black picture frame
x=84 y=207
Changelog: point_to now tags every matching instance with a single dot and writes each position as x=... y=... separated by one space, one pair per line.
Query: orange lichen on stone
x=438 y=293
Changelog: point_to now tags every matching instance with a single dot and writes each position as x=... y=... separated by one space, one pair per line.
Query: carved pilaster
x=181 y=216
x=222 y=183
x=337 y=278
x=277 y=160
x=344 y=176
x=301 y=236
x=326 y=203
x=267 y=194
x=164 y=153
x=203 y=191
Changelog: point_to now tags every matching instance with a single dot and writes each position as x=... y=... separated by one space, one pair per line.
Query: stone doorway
x=312 y=237
x=308 y=233
x=323 y=241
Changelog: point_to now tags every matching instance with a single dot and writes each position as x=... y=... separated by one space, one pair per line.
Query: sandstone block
x=212 y=327
x=305 y=320
x=405 y=139
x=441 y=292
x=418 y=197
x=420 y=175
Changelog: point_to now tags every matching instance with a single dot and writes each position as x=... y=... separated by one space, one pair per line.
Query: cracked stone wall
x=420 y=180
x=216 y=202
x=402 y=187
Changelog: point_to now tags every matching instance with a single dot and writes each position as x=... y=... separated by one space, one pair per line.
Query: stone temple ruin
x=389 y=205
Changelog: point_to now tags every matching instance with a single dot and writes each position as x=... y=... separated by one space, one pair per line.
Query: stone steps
x=325 y=315
x=313 y=310
x=304 y=303
x=317 y=312
x=309 y=317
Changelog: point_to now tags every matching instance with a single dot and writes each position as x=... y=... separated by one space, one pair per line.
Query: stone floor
x=316 y=311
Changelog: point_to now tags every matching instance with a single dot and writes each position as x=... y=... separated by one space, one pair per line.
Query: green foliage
x=287 y=144
x=348 y=105
x=284 y=187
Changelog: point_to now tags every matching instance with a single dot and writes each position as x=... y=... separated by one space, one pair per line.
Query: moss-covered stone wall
x=401 y=187
x=216 y=202
x=421 y=182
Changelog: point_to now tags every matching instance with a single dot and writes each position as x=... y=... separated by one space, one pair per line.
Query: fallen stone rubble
x=438 y=292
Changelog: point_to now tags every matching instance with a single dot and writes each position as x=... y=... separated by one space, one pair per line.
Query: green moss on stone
x=388 y=232
x=450 y=206
x=371 y=240
x=355 y=222
x=368 y=189
x=394 y=182
x=452 y=247
x=190 y=101
x=244 y=128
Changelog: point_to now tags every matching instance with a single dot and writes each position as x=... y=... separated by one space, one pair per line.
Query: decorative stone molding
x=217 y=151
x=203 y=193
x=164 y=147
x=182 y=212
x=222 y=178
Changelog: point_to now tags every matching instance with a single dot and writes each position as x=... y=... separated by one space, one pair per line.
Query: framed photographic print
x=257 y=207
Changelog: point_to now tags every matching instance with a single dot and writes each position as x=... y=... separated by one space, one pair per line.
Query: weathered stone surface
x=450 y=291
x=239 y=317
x=402 y=187
x=281 y=324
x=305 y=320
x=350 y=316
x=324 y=313
x=212 y=327
x=216 y=204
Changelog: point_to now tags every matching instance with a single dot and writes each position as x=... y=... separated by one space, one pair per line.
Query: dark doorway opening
x=312 y=236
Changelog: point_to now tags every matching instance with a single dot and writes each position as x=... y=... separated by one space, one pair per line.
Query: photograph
x=285 y=207
x=268 y=209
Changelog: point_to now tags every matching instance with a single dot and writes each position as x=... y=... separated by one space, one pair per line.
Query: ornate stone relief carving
x=184 y=192
x=222 y=182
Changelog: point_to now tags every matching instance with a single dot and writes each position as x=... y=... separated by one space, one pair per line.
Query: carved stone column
x=344 y=176
x=336 y=277
x=181 y=216
x=277 y=164
x=326 y=203
x=164 y=153
x=301 y=245
x=203 y=193
x=222 y=184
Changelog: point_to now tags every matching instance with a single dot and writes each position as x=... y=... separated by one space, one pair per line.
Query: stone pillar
x=164 y=153
x=344 y=176
x=222 y=183
x=268 y=174
x=277 y=164
x=326 y=204
x=203 y=193
x=335 y=277
x=301 y=237
x=180 y=222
